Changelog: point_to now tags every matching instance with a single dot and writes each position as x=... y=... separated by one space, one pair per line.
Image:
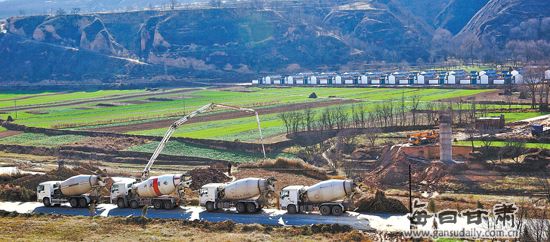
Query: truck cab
x=208 y=195
x=119 y=192
x=45 y=193
x=289 y=198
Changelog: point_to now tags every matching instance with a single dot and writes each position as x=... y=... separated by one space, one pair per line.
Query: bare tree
x=532 y=79
x=173 y=4
x=341 y=117
x=60 y=12
x=514 y=148
x=75 y=11
x=285 y=118
x=358 y=114
x=372 y=135
x=309 y=118
x=415 y=102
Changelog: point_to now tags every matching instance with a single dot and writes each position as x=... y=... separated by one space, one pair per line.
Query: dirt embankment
x=223 y=115
x=114 y=156
x=288 y=166
x=215 y=144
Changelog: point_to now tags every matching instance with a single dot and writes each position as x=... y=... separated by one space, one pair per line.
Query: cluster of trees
x=405 y=112
x=537 y=87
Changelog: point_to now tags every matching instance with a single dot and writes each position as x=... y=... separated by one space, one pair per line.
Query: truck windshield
x=40 y=188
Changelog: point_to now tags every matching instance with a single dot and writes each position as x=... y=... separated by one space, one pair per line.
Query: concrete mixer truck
x=79 y=191
x=329 y=197
x=155 y=191
x=248 y=195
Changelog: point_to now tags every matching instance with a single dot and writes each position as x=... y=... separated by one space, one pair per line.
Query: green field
x=513 y=117
x=7 y=100
x=176 y=105
x=182 y=149
x=478 y=144
x=34 y=139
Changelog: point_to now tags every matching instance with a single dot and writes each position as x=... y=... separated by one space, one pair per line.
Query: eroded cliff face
x=519 y=28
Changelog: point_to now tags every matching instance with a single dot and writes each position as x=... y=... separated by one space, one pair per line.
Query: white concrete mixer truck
x=329 y=197
x=79 y=191
x=156 y=191
x=248 y=195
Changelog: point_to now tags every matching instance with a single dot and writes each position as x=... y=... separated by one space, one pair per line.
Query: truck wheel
x=325 y=210
x=337 y=210
x=157 y=204
x=120 y=203
x=210 y=207
x=291 y=209
x=47 y=202
x=241 y=207
x=251 y=208
x=168 y=204
x=82 y=202
x=134 y=204
x=74 y=202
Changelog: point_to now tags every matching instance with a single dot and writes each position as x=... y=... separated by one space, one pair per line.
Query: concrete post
x=445 y=138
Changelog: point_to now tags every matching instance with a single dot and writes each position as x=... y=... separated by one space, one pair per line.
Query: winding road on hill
x=267 y=217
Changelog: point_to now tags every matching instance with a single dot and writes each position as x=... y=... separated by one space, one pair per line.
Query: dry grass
x=65 y=228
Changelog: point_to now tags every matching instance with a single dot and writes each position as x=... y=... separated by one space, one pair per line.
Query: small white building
x=289 y=80
x=323 y=79
x=266 y=80
x=547 y=74
x=483 y=78
x=337 y=80
x=517 y=77
x=364 y=80
x=277 y=80
x=451 y=78
x=465 y=82
x=255 y=82
x=347 y=79
x=391 y=79
x=498 y=82
x=312 y=80
x=420 y=78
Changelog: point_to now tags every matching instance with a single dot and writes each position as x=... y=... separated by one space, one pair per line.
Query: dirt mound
x=380 y=204
x=393 y=170
x=291 y=166
x=32 y=181
x=10 y=192
x=202 y=176
x=109 y=143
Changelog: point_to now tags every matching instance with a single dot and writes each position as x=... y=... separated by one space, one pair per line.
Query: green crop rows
x=182 y=149
x=35 y=139
x=89 y=115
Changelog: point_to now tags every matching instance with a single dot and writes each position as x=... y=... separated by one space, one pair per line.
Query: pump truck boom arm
x=180 y=122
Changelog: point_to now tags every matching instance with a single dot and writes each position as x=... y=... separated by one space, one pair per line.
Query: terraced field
x=123 y=109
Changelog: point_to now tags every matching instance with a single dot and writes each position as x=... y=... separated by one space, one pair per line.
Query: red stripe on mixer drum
x=156 y=186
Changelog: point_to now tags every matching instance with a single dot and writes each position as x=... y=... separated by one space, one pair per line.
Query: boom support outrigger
x=180 y=122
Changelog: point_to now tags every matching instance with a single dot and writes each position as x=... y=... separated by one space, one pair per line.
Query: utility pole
x=410 y=198
x=15 y=107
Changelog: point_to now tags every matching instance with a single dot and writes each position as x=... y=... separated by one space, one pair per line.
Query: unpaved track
x=267 y=217
x=223 y=115
x=94 y=100
x=8 y=133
